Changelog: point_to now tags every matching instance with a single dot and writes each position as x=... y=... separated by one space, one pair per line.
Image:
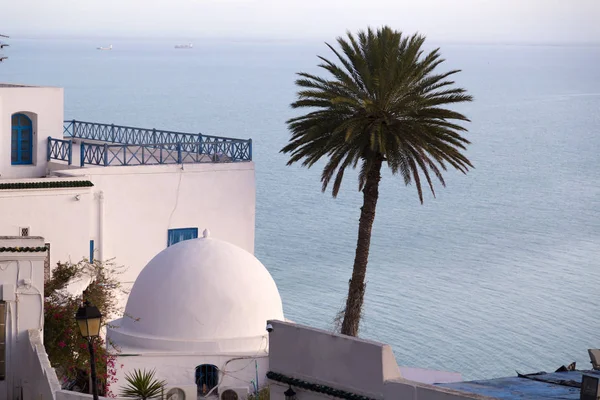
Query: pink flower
x=61 y=344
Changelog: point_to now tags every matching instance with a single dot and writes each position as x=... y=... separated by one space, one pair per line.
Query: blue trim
x=179 y=235
x=59 y=149
x=21 y=133
x=91 y=251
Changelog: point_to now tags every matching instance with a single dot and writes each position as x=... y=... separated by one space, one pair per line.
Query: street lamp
x=88 y=318
x=290 y=394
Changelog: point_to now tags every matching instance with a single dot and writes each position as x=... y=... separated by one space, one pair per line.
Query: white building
x=197 y=314
x=198 y=311
x=23 y=360
x=105 y=191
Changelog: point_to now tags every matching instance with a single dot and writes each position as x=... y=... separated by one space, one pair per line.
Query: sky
x=472 y=21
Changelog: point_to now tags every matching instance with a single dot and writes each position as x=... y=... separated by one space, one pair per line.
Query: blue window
x=179 y=235
x=21 y=140
x=207 y=377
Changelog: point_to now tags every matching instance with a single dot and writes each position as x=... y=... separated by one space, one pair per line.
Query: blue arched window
x=207 y=377
x=21 y=140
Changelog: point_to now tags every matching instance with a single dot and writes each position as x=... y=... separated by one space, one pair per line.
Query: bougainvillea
x=67 y=350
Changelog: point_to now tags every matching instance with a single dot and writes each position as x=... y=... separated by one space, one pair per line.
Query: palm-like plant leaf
x=382 y=102
x=383 y=99
x=142 y=385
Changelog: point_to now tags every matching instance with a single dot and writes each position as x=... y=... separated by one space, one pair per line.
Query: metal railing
x=163 y=153
x=59 y=149
x=124 y=145
x=132 y=135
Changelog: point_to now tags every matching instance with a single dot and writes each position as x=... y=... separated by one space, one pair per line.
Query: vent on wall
x=176 y=394
x=185 y=392
x=24 y=231
x=234 y=393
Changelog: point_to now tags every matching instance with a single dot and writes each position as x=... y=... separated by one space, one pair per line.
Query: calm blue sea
x=500 y=273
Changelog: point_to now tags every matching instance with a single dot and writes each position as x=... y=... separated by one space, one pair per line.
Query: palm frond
x=142 y=385
x=380 y=98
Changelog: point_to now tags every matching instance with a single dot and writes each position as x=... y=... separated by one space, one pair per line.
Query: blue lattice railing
x=124 y=145
x=59 y=149
x=164 y=153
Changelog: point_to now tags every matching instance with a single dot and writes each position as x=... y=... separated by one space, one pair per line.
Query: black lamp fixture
x=89 y=320
x=290 y=394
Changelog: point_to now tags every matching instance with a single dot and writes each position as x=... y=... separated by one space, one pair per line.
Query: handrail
x=128 y=134
x=60 y=149
x=165 y=153
x=107 y=144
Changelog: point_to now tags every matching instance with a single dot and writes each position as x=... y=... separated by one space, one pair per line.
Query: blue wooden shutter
x=179 y=235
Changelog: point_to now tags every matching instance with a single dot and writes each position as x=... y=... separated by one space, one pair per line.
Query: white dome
x=202 y=290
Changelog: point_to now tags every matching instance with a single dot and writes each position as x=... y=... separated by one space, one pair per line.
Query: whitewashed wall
x=141 y=203
x=398 y=389
x=346 y=363
x=68 y=395
x=179 y=370
x=130 y=209
x=45 y=107
x=55 y=214
x=40 y=382
x=22 y=286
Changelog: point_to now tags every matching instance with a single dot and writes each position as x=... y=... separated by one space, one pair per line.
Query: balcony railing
x=164 y=153
x=124 y=145
x=131 y=135
x=59 y=149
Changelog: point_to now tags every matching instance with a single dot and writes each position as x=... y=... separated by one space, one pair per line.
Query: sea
x=499 y=273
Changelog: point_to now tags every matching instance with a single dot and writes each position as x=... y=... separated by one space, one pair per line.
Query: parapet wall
x=41 y=382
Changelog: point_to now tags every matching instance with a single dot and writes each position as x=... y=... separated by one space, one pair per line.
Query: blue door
x=21 y=140
x=179 y=235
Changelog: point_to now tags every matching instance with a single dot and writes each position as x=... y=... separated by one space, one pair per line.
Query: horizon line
x=271 y=39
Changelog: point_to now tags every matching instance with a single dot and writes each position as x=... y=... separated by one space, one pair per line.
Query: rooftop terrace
x=541 y=385
x=111 y=145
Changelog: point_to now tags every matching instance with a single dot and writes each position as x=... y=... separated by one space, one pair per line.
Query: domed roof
x=201 y=290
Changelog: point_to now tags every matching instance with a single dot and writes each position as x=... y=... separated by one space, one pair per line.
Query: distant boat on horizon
x=184 y=46
x=105 y=48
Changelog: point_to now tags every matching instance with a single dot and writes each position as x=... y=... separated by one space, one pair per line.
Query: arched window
x=207 y=377
x=21 y=140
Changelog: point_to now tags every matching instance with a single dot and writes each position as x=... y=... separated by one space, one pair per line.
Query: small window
x=179 y=235
x=207 y=378
x=21 y=140
x=24 y=231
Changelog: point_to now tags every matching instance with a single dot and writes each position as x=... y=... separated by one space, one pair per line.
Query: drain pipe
x=100 y=197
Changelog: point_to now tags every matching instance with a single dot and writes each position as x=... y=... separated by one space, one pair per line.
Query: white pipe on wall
x=100 y=247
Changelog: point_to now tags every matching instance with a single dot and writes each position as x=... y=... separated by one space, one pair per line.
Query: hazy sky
x=530 y=21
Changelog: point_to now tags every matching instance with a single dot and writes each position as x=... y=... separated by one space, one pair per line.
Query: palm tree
x=383 y=103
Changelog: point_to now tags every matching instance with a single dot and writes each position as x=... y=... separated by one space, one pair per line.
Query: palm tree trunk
x=356 y=286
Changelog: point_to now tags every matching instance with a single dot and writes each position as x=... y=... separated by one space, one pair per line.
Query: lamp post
x=290 y=394
x=88 y=319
